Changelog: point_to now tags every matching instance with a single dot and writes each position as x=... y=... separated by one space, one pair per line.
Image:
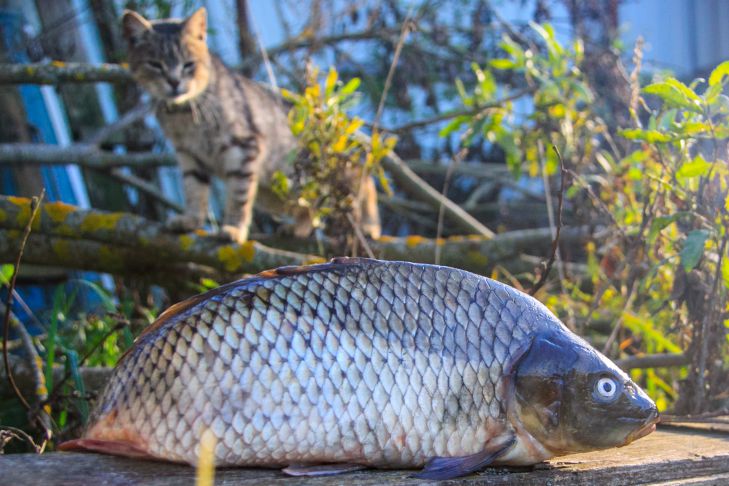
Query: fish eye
x=606 y=388
x=156 y=65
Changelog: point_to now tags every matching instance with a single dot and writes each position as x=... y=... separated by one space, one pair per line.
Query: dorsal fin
x=286 y=271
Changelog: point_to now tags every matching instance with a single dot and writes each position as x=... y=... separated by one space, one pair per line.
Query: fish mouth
x=648 y=428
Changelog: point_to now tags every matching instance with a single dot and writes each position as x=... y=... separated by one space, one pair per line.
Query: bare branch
x=663 y=360
x=84 y=155
x=33 y=206
x=58 y=72
x=145 y=187
x=411 y=183
x=456 y=113
x=555 y=243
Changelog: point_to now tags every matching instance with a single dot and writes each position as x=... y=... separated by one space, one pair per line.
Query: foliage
x=659 y=188
x=333 y=156
x=74 y=338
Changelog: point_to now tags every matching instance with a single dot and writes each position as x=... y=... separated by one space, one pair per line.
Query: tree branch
x=16 y=154
x=59 y=72
x=120 y=243
x=474 y=253
x=663 y=360
x=456 y=113
x=90 y=157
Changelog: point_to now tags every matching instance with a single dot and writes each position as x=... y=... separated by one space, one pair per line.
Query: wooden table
x=672 y=455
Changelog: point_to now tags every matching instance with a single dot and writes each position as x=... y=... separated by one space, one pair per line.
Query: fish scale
x=314 y=365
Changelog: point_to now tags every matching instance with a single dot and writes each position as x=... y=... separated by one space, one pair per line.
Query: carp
x=364 y=363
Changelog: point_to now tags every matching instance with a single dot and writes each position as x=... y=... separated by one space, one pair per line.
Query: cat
x=220 y=124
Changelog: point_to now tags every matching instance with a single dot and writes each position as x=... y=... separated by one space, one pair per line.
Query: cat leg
x=196 y=186
x=242 y=164
x=369 y=211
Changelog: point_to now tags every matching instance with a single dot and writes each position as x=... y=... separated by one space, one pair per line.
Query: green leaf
x=685 y=90
x=659 y=223
x=546 y=32
x=694 y=128
x=651 y=136
x=486 y=82
x=209 y=283
x=453 y=125
x=350 y=87
x=502 y=64
x=512 y=47
x=712 y=93
x=693 y=249
x=645 y=326
x=675 y=94
x=6 y=273
x=465 y=97
x=696 y=168
x=718 y=74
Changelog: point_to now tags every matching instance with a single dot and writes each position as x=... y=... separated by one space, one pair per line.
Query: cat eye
x=154 y=65
x=189 y=66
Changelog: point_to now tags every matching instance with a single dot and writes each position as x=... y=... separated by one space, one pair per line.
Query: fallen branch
x=473 y=253
x=121 y=243
x=59 y=72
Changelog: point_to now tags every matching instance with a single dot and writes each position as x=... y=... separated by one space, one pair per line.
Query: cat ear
x=196 y=24
x=134 y=26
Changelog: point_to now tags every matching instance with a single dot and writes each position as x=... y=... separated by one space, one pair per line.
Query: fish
x=361 y=363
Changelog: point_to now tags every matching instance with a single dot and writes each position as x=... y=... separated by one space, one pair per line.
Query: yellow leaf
x=353 y=126
x=289 y=95
x=340 y=145
x=330 y=82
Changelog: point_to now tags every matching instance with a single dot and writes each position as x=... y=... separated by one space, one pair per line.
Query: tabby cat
x=220 y=123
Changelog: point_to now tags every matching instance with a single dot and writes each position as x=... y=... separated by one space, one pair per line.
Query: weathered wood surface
x=669 y=456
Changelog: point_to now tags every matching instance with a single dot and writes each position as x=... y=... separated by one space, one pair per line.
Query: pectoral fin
x=441 y=468
x=321 y=469
x=115 y=447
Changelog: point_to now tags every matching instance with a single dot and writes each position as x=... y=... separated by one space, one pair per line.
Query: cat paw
x=372 y=230
x=232 y=234
x=182 y=223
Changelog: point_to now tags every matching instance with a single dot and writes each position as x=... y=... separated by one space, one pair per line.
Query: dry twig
x=44 y=419
x=555 y=243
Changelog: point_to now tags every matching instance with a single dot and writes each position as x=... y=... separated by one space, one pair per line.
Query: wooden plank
x=666 y=457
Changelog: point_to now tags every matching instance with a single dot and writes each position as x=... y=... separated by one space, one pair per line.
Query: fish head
x=571 y=398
